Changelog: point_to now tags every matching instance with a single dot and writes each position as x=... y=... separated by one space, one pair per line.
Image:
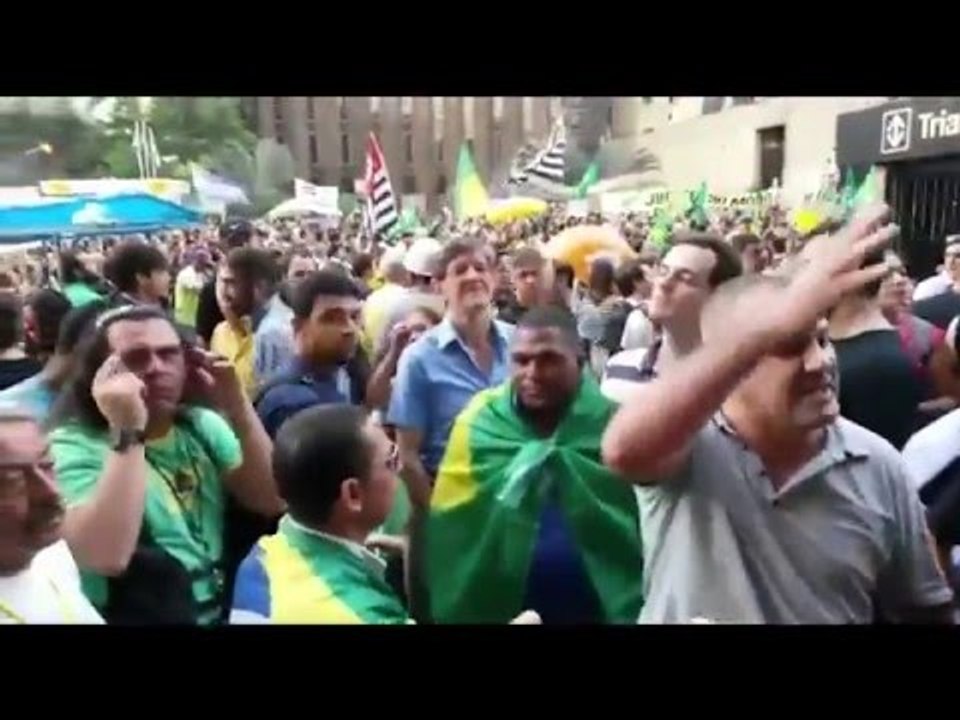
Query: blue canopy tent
x=115 y=215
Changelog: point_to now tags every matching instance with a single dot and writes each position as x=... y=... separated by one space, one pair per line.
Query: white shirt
x=46 y=593
x=932 y=286
x=190 y=279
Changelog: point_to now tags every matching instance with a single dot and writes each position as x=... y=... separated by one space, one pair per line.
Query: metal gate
x=925 y=197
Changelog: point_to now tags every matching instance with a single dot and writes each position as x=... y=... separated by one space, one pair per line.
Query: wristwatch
x=127 y=438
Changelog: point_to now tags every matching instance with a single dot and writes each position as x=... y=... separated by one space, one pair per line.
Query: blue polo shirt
x=436 y=378
x=298 y=386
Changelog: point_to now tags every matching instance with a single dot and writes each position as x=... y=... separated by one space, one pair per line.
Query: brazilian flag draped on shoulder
x=490 y=495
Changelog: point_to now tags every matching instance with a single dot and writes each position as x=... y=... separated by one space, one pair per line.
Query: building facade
x=421 y=136
x=739 y=144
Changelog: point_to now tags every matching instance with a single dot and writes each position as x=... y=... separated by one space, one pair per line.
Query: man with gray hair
x=758 y=503
x=39 y=579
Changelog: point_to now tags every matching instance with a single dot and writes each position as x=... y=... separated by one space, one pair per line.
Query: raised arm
x=650 y=436
x=102 y=530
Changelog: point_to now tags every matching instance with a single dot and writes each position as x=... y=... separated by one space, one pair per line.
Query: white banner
x=323 y=196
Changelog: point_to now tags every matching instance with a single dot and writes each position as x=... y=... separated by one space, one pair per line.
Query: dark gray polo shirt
x=843 y=540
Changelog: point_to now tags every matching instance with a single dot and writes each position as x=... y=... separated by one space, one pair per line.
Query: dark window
x=343 y=110
x=647 y=100
x=441 y=184
x=772 y=142
x=440 y=151
x=409 y=185
x=314 y=151
x=408 y=145
x=278 y=108
x=345 y=148
x=309 y=108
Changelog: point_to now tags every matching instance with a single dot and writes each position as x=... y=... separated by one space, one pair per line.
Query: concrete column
x=359 y=122
x=483 y=130
x=298 y=139
x=511 y=130
x=540 y=122
x=326 y=123
x=453 y=129
x=391 y=140
x=425 y=163
x=266 y=124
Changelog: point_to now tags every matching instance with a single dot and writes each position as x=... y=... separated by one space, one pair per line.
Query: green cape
x=491 y=491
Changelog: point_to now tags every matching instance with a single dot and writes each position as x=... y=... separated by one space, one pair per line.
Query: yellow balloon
x=582 y=244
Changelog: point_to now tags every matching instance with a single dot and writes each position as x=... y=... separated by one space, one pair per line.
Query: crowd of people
x=280 y=423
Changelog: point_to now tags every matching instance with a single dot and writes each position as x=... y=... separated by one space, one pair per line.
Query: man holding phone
x=143 y=468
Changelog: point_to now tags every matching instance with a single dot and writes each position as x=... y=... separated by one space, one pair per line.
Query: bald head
x=734 y=298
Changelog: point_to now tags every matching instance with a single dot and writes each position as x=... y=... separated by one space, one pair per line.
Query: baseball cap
x=420 y=259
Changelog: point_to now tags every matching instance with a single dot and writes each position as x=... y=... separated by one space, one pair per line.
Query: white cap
x=393 y=255
x=421 y=256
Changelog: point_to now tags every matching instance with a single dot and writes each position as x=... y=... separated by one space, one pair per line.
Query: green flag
x=662 y=226
x=590 y=177
x=849 y=191
x=469 y=195
x=869 y=190
x=697 y=209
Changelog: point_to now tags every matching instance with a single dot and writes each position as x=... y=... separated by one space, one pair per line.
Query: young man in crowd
x=39 y=580
x=145 y=471
x=140 y=273
x=530 y=282
x=468 y=352
x=634 y=282
x=879 y=386
x=942 y=281
x=692 y=269
x=336 y=470
x=209 y=314
x=43 y=312
x=15 y=365
x=326 y=320
x=944 y=306
x=190 y=282
x=522 y=497
x=247 y=280
x=274 y=342
x=37 y=394
x=758 y=503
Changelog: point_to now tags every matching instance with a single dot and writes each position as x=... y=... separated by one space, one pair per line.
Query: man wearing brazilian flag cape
x=336 y=469
x=524 y=514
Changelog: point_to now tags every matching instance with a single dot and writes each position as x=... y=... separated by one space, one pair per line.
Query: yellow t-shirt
x=236 y=345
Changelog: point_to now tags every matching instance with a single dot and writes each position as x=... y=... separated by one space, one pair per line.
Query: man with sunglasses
x=145 y=469
x=759 y=504
x=325 y=368
x=695 y=265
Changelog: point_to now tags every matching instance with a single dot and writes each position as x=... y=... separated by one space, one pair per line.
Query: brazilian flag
x=492 y=488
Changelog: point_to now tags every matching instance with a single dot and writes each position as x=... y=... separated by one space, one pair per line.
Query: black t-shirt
x=939 y=309
x=14 y=371
x=879 y=387
x=208 y=312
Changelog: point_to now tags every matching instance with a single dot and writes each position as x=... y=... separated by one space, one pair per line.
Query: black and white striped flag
x=548 y=164
x=381 y=201
x=145 y=148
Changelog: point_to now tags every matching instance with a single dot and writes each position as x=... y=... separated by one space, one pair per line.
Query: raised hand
x=834 y=270
x=119 y=395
